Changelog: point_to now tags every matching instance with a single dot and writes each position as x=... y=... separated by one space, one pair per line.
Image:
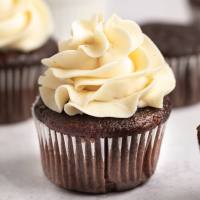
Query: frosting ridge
x=106 y=69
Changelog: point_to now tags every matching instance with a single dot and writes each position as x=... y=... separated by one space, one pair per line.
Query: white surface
x=177 y=176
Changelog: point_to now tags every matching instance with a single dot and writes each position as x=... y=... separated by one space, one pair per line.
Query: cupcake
x=25 y=38
x=103 y=107
x=180 y=45
x=195 y=11
x=198 y=134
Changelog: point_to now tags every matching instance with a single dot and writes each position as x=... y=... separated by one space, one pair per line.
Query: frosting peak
x=24 y=24
x=106 y=69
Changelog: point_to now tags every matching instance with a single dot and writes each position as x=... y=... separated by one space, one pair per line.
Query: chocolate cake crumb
x=143 y=120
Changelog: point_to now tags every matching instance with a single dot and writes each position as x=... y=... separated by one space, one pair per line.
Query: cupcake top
x=25 y=25
x=106 y=70
x=174 y=40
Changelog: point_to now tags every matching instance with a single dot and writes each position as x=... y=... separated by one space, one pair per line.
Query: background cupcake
x=25 y=31
x=103 y=107
x=198 y=134
x=195 y=11
x=180 y=45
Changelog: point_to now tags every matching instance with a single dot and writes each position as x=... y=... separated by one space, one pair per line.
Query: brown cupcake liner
x=195 y=13
x=99 y=165
x=18 y=89
x=187 y=73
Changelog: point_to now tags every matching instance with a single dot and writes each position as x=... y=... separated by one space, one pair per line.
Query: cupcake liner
x=99 y=165
x=187 y=73
x=18 y=89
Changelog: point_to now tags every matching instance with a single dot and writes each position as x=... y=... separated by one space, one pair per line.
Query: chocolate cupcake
x=195 y=11
x=198 y=134
x=180 y=45
x=103 y=107
x=24 y=41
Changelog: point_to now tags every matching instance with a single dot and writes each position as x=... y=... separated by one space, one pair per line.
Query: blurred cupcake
x=195 y=11
x=198 y=134
x=103 y=107
x=66 y=11
x=180 y=46
x=25 y=31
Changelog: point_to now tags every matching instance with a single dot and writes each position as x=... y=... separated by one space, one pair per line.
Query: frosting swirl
x=106 y=70
x=24 y=24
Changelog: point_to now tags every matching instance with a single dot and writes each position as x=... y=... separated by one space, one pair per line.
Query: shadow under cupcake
x=103 y=108
x=24 y=41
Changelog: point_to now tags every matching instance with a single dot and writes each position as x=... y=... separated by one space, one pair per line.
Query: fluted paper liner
x=99 y=165
x=18 y=89
x=195 y=13
x=187 y=73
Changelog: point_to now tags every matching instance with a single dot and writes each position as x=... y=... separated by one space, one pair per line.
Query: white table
x=177 y=176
